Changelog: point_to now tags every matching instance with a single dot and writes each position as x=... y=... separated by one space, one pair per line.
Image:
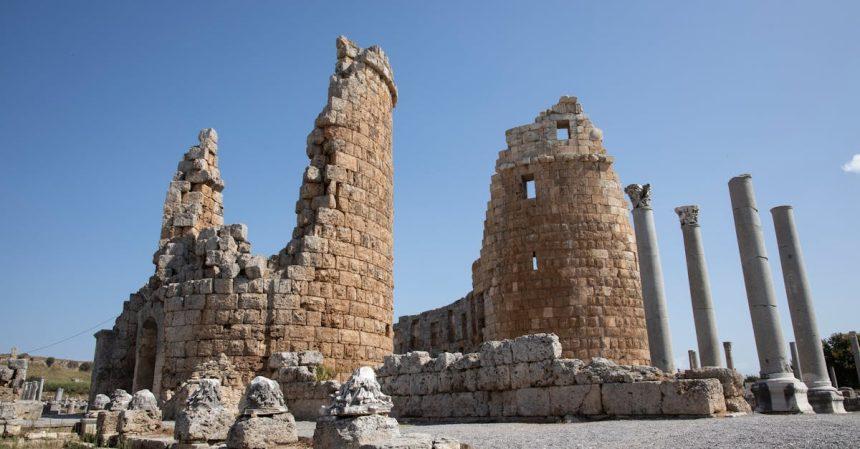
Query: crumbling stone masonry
x=526 y=379
x=559 y=254
x=330 y=289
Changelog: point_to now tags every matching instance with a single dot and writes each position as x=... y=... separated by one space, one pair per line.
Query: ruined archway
x=147 y=345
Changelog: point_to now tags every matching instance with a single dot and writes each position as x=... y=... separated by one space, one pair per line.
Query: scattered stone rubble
x=13 y=373
x=265 y=422
x=107 y=420
x=526 y=378
x=358 y=418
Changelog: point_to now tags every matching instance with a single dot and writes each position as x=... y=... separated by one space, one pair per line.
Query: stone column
x=833 y=376
x=823 y=397
x=855 y=350
x=40 y=388
x=777 y=391
x=730 y=362
x=651 y=274
x=795 y=364
x=59 y=395
x=694 y=360
x=700 y=287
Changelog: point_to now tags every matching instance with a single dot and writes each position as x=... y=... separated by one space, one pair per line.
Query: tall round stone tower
x=559 y=253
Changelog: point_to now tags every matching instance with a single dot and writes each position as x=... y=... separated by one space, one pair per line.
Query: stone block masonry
x=526 y=379
x=559 y=254
x=329 y=290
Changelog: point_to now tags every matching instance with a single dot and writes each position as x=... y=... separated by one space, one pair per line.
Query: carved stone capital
x=689 y=215
x=640 y=195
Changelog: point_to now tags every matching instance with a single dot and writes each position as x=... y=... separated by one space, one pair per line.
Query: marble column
x=823 y=397
x=730 y=362
x=651 y=274
x=833 y=376
x=795 y=364
x=40 y=388
x=855 y=350
x=777 y=391
x=694 y=360
x=700 y=287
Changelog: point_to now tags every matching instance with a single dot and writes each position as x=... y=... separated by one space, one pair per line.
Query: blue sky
x=99 y=100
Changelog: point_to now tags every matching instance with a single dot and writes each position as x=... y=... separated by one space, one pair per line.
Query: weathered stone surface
x=263 y=397
x=204 y=418
x=632 y=399
x=354 y=432
x=100 y=402
x=139 y=422
x=144 y=400
x=119 y=400
x=700 y=397
x=265 y=432
x=732 y=383
x=360 y=395
x=107 y=430
x=575 y=400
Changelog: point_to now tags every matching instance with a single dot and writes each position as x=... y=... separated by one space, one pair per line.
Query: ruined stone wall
x=526 y=378
x=455 y=327
x=558 y=253
x=330 y=289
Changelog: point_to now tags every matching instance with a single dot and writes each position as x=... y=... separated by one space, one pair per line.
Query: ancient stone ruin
x=558 y=254
x=330 y=289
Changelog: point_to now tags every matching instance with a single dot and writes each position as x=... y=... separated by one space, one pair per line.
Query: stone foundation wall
x=526 y=378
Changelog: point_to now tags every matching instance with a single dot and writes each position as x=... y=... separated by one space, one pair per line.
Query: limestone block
x=354 y=432
x=204 y=417
x=436 y=405
x=291 y=374
x=533 y=402
x=27 y=409
x=138 y=422
x=423 y=383
x=263 y=432
x=413 y=362
x=496 y=353
x=145 y=401
x=468 y=361
x=701 y=397
x=107 y=427
x=564 y=371
x=632 y=399
x=390 y=365
x=310 y=358
x=535 y=348
x=120 y=400
x=575 y=400
x=446 y=360
x=496 y=378
x=281 y=359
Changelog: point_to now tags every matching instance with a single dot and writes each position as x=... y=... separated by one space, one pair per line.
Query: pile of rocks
x=526 y=378
x=230 y=386
x=265 y=422
x=142 y=417
x=13 y=373
x=297 y=374
x=358 y=418
x=107 y=420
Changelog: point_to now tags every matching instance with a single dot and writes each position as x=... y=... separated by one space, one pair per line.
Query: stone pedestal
x=809 y=354
x=700 y=287
x=777 y=391
x=651 y=273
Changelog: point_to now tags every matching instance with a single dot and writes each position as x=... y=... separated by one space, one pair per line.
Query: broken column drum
x=823 y=397
x=777 y=391
x=700 y=287
x=653 y=294
x=727 y=348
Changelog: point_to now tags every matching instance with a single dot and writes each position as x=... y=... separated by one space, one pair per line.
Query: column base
x=826 y=400
x=782 y=394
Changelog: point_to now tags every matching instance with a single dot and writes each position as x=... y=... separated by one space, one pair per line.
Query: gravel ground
x=755 y=431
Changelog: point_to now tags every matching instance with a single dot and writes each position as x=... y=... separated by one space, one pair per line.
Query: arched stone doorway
x=147 y=352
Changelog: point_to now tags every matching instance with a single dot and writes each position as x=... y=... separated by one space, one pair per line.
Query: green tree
x=837 y=353
x=85 y=366
x=50 y=361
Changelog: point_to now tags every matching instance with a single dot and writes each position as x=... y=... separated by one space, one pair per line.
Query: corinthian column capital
x=689 y=215
x=640 y=195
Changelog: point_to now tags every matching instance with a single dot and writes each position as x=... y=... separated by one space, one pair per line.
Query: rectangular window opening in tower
x=562 y=130
x=529 y=191
x=534 y=262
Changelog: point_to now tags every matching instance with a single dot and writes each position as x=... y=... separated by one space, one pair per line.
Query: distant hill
x=73 y=376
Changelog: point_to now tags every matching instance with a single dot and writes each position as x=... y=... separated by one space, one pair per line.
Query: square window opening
x=529 y=189
x=562 y=130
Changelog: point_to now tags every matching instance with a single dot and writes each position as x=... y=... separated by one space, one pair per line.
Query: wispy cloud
x=853 y=166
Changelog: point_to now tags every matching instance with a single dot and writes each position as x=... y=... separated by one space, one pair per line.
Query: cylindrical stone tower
x=341 y=256
x=559 y=253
